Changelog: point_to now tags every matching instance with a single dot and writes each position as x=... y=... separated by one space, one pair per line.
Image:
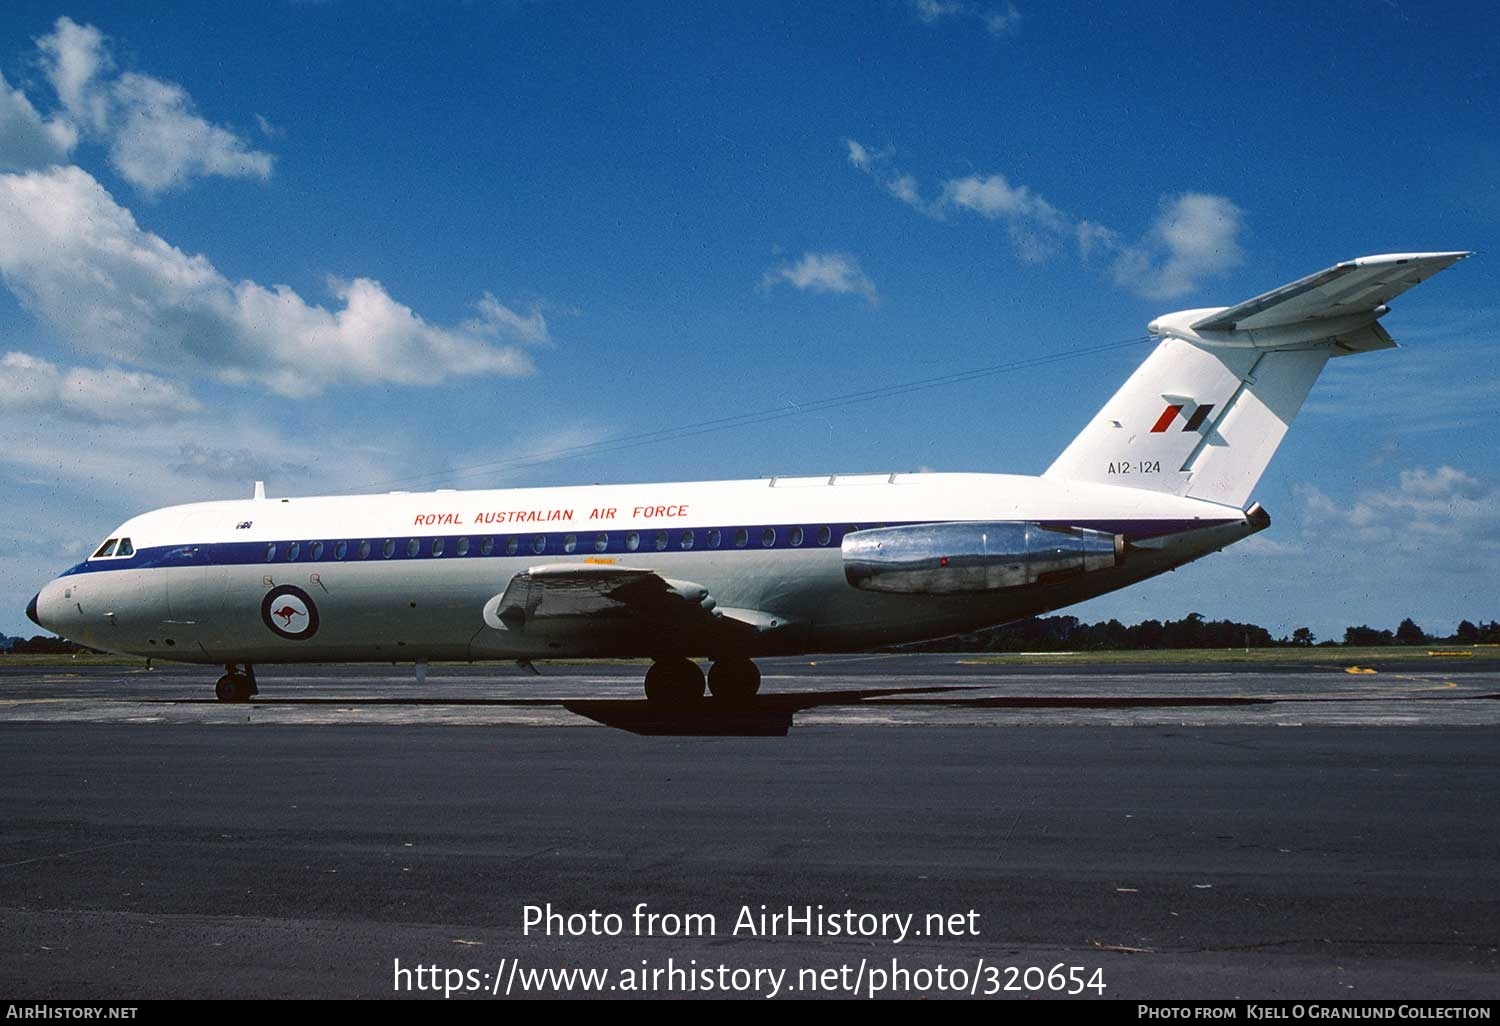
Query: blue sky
x=339 y=245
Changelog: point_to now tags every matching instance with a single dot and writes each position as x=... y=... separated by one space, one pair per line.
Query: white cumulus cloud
x=1002 y=20
x=80 y=260
x=75 y=57
x=905 y=189
x=1442 y=503
x=1195 y=236
x=496 y=320
x=159 y=142
x=155 y=136
x=27 y=140
x=859 y=155
x=902 y=186
x=934 y=10
x=835 y=273
x=1035 y=225
x=992 y=196
x=999 y=20
x=102 y=395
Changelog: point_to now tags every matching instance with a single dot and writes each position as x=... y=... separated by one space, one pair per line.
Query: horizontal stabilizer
x=1340 y=304
x=1352 y=287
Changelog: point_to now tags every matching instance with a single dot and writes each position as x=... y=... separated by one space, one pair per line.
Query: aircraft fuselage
x=407 y=576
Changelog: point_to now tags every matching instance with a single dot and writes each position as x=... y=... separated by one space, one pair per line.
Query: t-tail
x=1203 y=415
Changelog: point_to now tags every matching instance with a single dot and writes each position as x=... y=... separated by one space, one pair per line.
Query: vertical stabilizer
x=1206 y=411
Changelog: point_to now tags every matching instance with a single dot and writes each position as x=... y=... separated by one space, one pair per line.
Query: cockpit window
x=125 y=549
x=107 y=549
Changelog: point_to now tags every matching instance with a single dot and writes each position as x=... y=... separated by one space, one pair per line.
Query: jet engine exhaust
x=953 y=559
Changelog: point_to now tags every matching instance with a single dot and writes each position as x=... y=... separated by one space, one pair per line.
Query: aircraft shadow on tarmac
x=771 y=715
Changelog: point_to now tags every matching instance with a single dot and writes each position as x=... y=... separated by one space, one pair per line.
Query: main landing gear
x=676 y=681
x=237 y=684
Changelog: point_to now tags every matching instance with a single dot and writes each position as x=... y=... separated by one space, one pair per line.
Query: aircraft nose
x=31 y=609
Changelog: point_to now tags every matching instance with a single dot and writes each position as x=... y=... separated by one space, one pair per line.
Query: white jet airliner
x=731 y=570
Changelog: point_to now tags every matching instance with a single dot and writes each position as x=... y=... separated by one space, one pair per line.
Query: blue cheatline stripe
x=555 y=543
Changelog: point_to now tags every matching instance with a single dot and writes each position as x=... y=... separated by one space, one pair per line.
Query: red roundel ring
x=290 y=613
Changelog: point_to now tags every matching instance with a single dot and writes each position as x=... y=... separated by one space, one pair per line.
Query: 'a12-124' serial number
x=1143 y=467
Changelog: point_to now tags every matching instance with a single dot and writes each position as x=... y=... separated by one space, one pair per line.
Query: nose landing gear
x=237 y=684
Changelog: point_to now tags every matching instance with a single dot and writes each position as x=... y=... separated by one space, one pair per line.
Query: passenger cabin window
x=316 y=553
x=824 y=535
x=107 y=549
x=364 y=550
x=796 y=536
x=570 y=542
x=601 y=542
x=125 y=549
x=293 y=552
x=437 y=546
x=486 y=546
x=539 y=544
x=340 y=550
x=687 y=539
x=462 y=548
x=741 y=537
x=414 y=546
x=768 y=537
x=512 y=546
x=270 y=552
x=389 y=548
x=661 y=541
x=632 y=541
x=714 y=537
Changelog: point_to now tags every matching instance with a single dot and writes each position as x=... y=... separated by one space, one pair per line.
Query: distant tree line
x=1069 y=634
x=41 y=644
x=1408 y=633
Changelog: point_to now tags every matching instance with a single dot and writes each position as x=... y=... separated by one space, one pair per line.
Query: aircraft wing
x=1353 y=287
x=571 y=597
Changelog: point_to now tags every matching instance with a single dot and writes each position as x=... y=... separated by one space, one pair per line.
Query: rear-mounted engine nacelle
x=951 y=559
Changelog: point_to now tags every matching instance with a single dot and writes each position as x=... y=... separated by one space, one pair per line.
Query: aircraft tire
x=233 y=688
x=734 y=680
x=674 y=682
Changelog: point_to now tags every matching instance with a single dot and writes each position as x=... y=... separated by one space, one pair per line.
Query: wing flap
x=567 y=591
x=567 y=597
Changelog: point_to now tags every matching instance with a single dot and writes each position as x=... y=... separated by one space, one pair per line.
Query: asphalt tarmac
x=1215 y=832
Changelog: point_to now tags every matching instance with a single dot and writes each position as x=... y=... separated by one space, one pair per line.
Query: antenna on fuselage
x=260 y=490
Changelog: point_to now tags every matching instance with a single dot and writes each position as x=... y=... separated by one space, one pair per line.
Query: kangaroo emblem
x=289 y=612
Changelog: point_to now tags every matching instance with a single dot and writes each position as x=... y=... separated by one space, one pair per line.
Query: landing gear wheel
x=734 y=680
x=232 y=687
x=674 y=682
